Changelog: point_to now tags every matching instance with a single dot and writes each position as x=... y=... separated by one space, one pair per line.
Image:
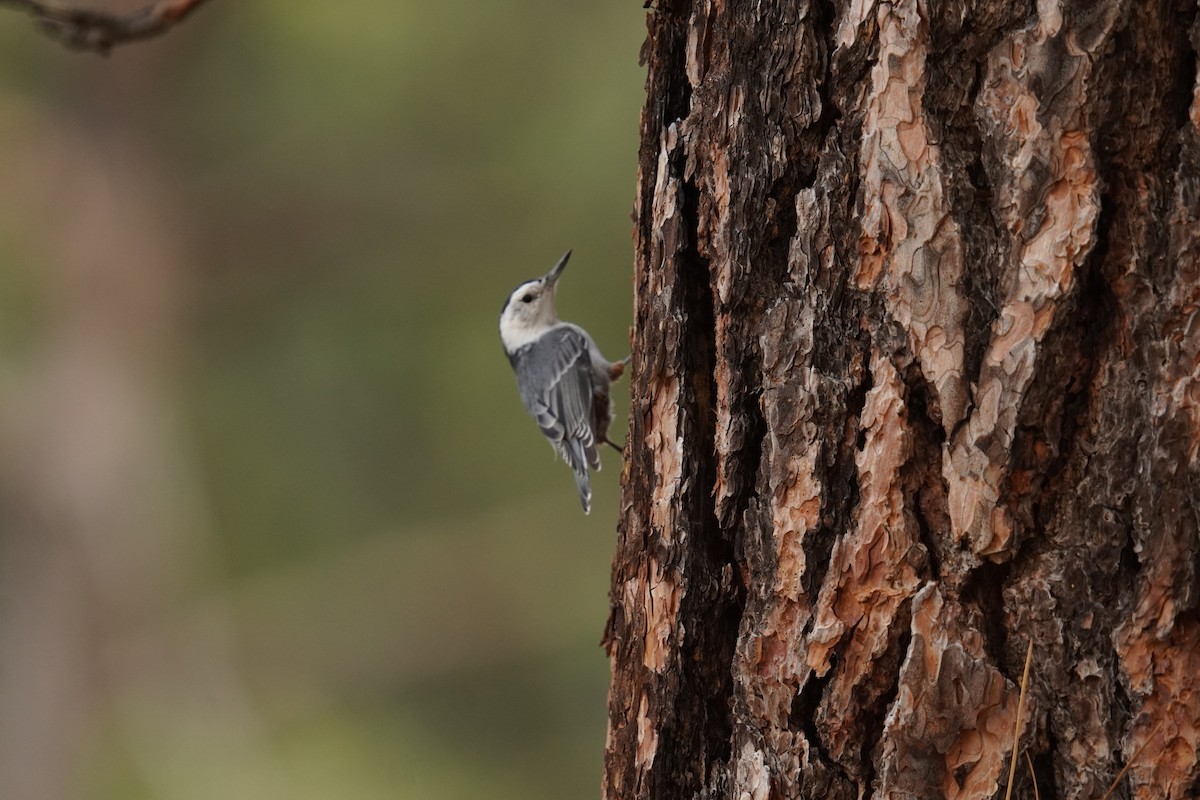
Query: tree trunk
x=916 y=382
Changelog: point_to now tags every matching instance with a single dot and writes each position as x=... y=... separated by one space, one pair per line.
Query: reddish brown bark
x=916 y=381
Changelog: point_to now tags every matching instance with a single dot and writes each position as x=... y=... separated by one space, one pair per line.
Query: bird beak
x=552 y=276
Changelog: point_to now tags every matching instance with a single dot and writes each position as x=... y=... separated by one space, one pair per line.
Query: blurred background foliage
x=274 y=523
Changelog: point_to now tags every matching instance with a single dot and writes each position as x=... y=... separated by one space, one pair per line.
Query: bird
x=561 y=374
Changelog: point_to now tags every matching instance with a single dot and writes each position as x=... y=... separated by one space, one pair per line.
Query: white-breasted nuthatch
x=563 y=378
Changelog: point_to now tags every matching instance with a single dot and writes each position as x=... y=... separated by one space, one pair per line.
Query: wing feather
x=555 y=377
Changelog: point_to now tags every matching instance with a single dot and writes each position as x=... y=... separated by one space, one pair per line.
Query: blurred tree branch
x=100 y=31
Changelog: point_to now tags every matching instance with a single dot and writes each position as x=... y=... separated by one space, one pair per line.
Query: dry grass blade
x=1133 y=759
x=1012 y=767
x=1033 y=777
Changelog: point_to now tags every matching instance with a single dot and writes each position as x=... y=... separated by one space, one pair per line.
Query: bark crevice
x=924 y=277
x=712 y=605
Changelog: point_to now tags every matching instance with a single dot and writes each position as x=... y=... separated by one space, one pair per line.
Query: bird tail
x=584 y=484
x=578 y=456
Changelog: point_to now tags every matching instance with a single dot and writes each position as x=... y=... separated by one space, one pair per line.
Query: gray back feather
x=554 y=375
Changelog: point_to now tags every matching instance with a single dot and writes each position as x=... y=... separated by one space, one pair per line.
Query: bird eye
x=527 y=298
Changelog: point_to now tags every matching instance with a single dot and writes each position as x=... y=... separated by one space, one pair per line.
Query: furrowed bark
x=916 y=381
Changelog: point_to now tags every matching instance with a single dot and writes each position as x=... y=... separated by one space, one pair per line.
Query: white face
x=528 y=313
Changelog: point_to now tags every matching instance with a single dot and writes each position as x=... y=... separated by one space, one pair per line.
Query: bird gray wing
x=555 y=378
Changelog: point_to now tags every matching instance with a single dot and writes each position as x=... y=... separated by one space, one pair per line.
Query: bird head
x=529 y=311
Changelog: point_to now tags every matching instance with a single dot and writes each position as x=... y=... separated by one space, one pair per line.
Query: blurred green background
x=273 y=523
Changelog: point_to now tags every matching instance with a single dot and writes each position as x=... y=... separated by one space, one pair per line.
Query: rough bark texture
x=916 y=381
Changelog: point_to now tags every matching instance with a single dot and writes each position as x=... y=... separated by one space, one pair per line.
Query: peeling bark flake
x=1050 y=204
x=871 y=575
x=907 y=224
x=660 y=604
x=916 y=381
x=667 y=450
x=949 y=731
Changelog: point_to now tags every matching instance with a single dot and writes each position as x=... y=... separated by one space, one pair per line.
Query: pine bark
x=916 y=382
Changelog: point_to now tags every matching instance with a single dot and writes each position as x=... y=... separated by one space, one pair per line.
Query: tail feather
x=585 y=490
x=578 y=457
